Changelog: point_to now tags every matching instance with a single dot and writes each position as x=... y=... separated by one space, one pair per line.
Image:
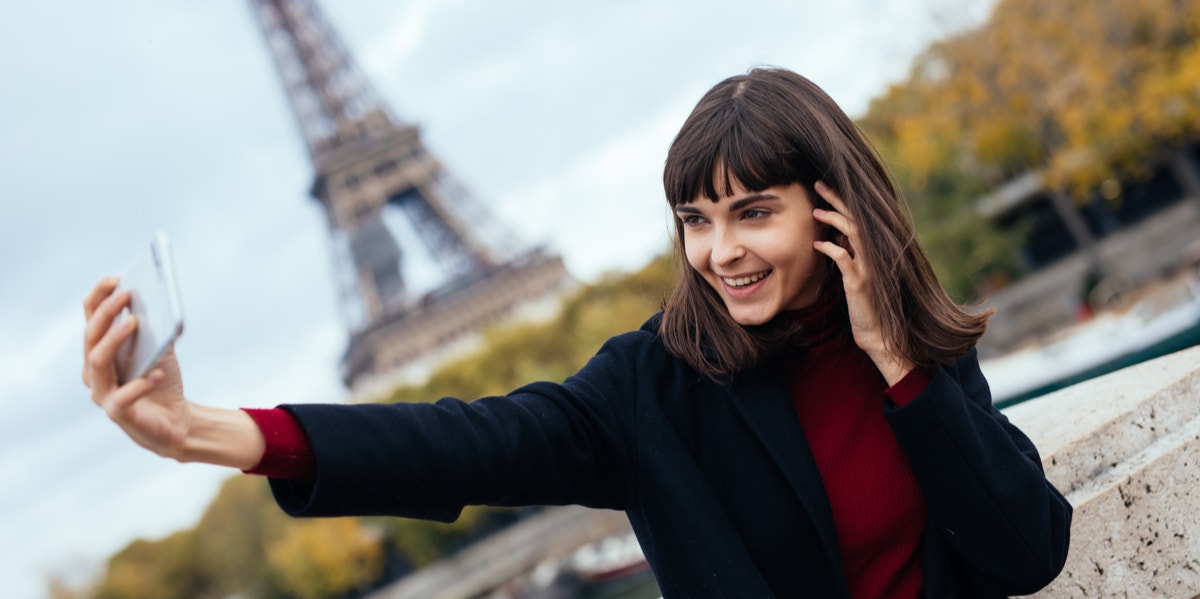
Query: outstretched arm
x=152 y=410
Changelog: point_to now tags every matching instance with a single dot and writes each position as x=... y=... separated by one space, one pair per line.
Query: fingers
x=840 y=256
x=99 y=368
x=838 y=216
x=844 y=251
x=839 y=219
x=831 y=196
x=101 y=318
x=102 y=290
x=101 y=307
x=116 y=403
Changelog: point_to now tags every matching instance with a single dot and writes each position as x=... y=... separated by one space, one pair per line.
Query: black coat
x=717 y=480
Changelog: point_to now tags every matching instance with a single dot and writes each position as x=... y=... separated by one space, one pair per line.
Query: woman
x=806 y=417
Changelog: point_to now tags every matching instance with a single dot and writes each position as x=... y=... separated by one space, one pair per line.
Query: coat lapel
x=761 y=398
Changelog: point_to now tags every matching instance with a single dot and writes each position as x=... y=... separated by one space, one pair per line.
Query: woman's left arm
x=981 y=476
x=983 y=482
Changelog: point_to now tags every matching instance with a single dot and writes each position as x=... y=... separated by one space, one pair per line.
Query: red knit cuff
x=289 y=454
x=909 y=387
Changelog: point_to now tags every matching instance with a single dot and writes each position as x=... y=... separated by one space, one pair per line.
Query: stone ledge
x=1125 y=450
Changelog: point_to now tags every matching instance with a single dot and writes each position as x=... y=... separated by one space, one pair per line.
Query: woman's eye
x=754 y=213
x=691 y=220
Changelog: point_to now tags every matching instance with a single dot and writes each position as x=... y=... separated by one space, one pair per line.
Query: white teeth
x=743 y=281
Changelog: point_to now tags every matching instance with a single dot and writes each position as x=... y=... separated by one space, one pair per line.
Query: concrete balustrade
x=1125 y=450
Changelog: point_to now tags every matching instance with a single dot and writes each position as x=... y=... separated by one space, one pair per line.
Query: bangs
x=728 y=139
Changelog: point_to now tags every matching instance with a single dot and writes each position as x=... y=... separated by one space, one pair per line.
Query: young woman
x=806 y=417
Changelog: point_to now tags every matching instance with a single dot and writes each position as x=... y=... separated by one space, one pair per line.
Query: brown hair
x=773 y=127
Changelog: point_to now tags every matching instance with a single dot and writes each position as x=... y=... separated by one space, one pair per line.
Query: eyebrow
x=750 y=199
x=733 y=207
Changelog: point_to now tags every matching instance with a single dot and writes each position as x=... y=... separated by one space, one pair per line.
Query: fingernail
x=821 y=186
x=818 y=212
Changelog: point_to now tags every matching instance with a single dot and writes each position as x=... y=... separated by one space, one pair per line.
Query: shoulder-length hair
x=773 y=127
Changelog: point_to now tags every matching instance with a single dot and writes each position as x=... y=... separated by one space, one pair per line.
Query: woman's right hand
x=152 y=409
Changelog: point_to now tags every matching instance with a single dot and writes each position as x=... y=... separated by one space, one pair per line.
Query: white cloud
x=397 y=46
x=605 y=210
x=36 y=349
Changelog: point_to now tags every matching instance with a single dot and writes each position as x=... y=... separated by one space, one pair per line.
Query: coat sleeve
x=543 y=444
x=987 y=494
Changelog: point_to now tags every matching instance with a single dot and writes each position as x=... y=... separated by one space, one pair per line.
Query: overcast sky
x=118 y=118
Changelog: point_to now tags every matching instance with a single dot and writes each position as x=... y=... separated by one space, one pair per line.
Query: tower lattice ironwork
x=386 y=196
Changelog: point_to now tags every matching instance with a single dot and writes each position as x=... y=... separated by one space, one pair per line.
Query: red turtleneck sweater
x=878 y=511
x=838 y=395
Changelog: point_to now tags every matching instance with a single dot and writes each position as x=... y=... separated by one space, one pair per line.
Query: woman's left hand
x=846 y=252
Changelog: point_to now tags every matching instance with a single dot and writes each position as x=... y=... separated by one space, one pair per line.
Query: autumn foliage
x=322 y=558
x=1080 y=89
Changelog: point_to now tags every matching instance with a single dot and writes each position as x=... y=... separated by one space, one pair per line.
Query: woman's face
x=755 y=249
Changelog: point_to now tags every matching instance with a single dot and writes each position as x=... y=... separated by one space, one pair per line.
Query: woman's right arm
x=153 y=410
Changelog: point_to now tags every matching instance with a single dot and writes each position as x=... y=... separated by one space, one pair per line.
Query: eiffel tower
x=385 y=195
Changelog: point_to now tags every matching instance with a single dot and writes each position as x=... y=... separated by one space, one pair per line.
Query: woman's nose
x=727 y=247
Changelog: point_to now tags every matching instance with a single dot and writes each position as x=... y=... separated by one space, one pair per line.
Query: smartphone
x=154 y=299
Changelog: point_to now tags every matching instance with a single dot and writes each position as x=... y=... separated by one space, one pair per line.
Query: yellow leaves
x=1009 y=142
x=921 y=146
x=153 y=570
x=317 y=559
x=234 y=530
x=1043 y=80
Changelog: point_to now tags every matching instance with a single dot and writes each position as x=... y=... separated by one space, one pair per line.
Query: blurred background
x=1036 y=143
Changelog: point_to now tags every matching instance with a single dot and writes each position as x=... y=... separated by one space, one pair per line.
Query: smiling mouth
x=746 y=281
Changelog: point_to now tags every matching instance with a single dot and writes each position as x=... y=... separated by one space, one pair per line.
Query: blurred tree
x=1079 y=91
x=968 y=253
x=322 y=558
x=233 y=536
x=163 y=569
x=1084 y=90
x=966 y=250
x=224 y=555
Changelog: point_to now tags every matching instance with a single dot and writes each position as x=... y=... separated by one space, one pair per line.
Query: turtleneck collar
x=823 y=319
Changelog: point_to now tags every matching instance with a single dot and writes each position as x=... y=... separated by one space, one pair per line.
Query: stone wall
x=1125 y=450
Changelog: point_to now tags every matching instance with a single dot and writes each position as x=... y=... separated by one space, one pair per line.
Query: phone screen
x=154 y=300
